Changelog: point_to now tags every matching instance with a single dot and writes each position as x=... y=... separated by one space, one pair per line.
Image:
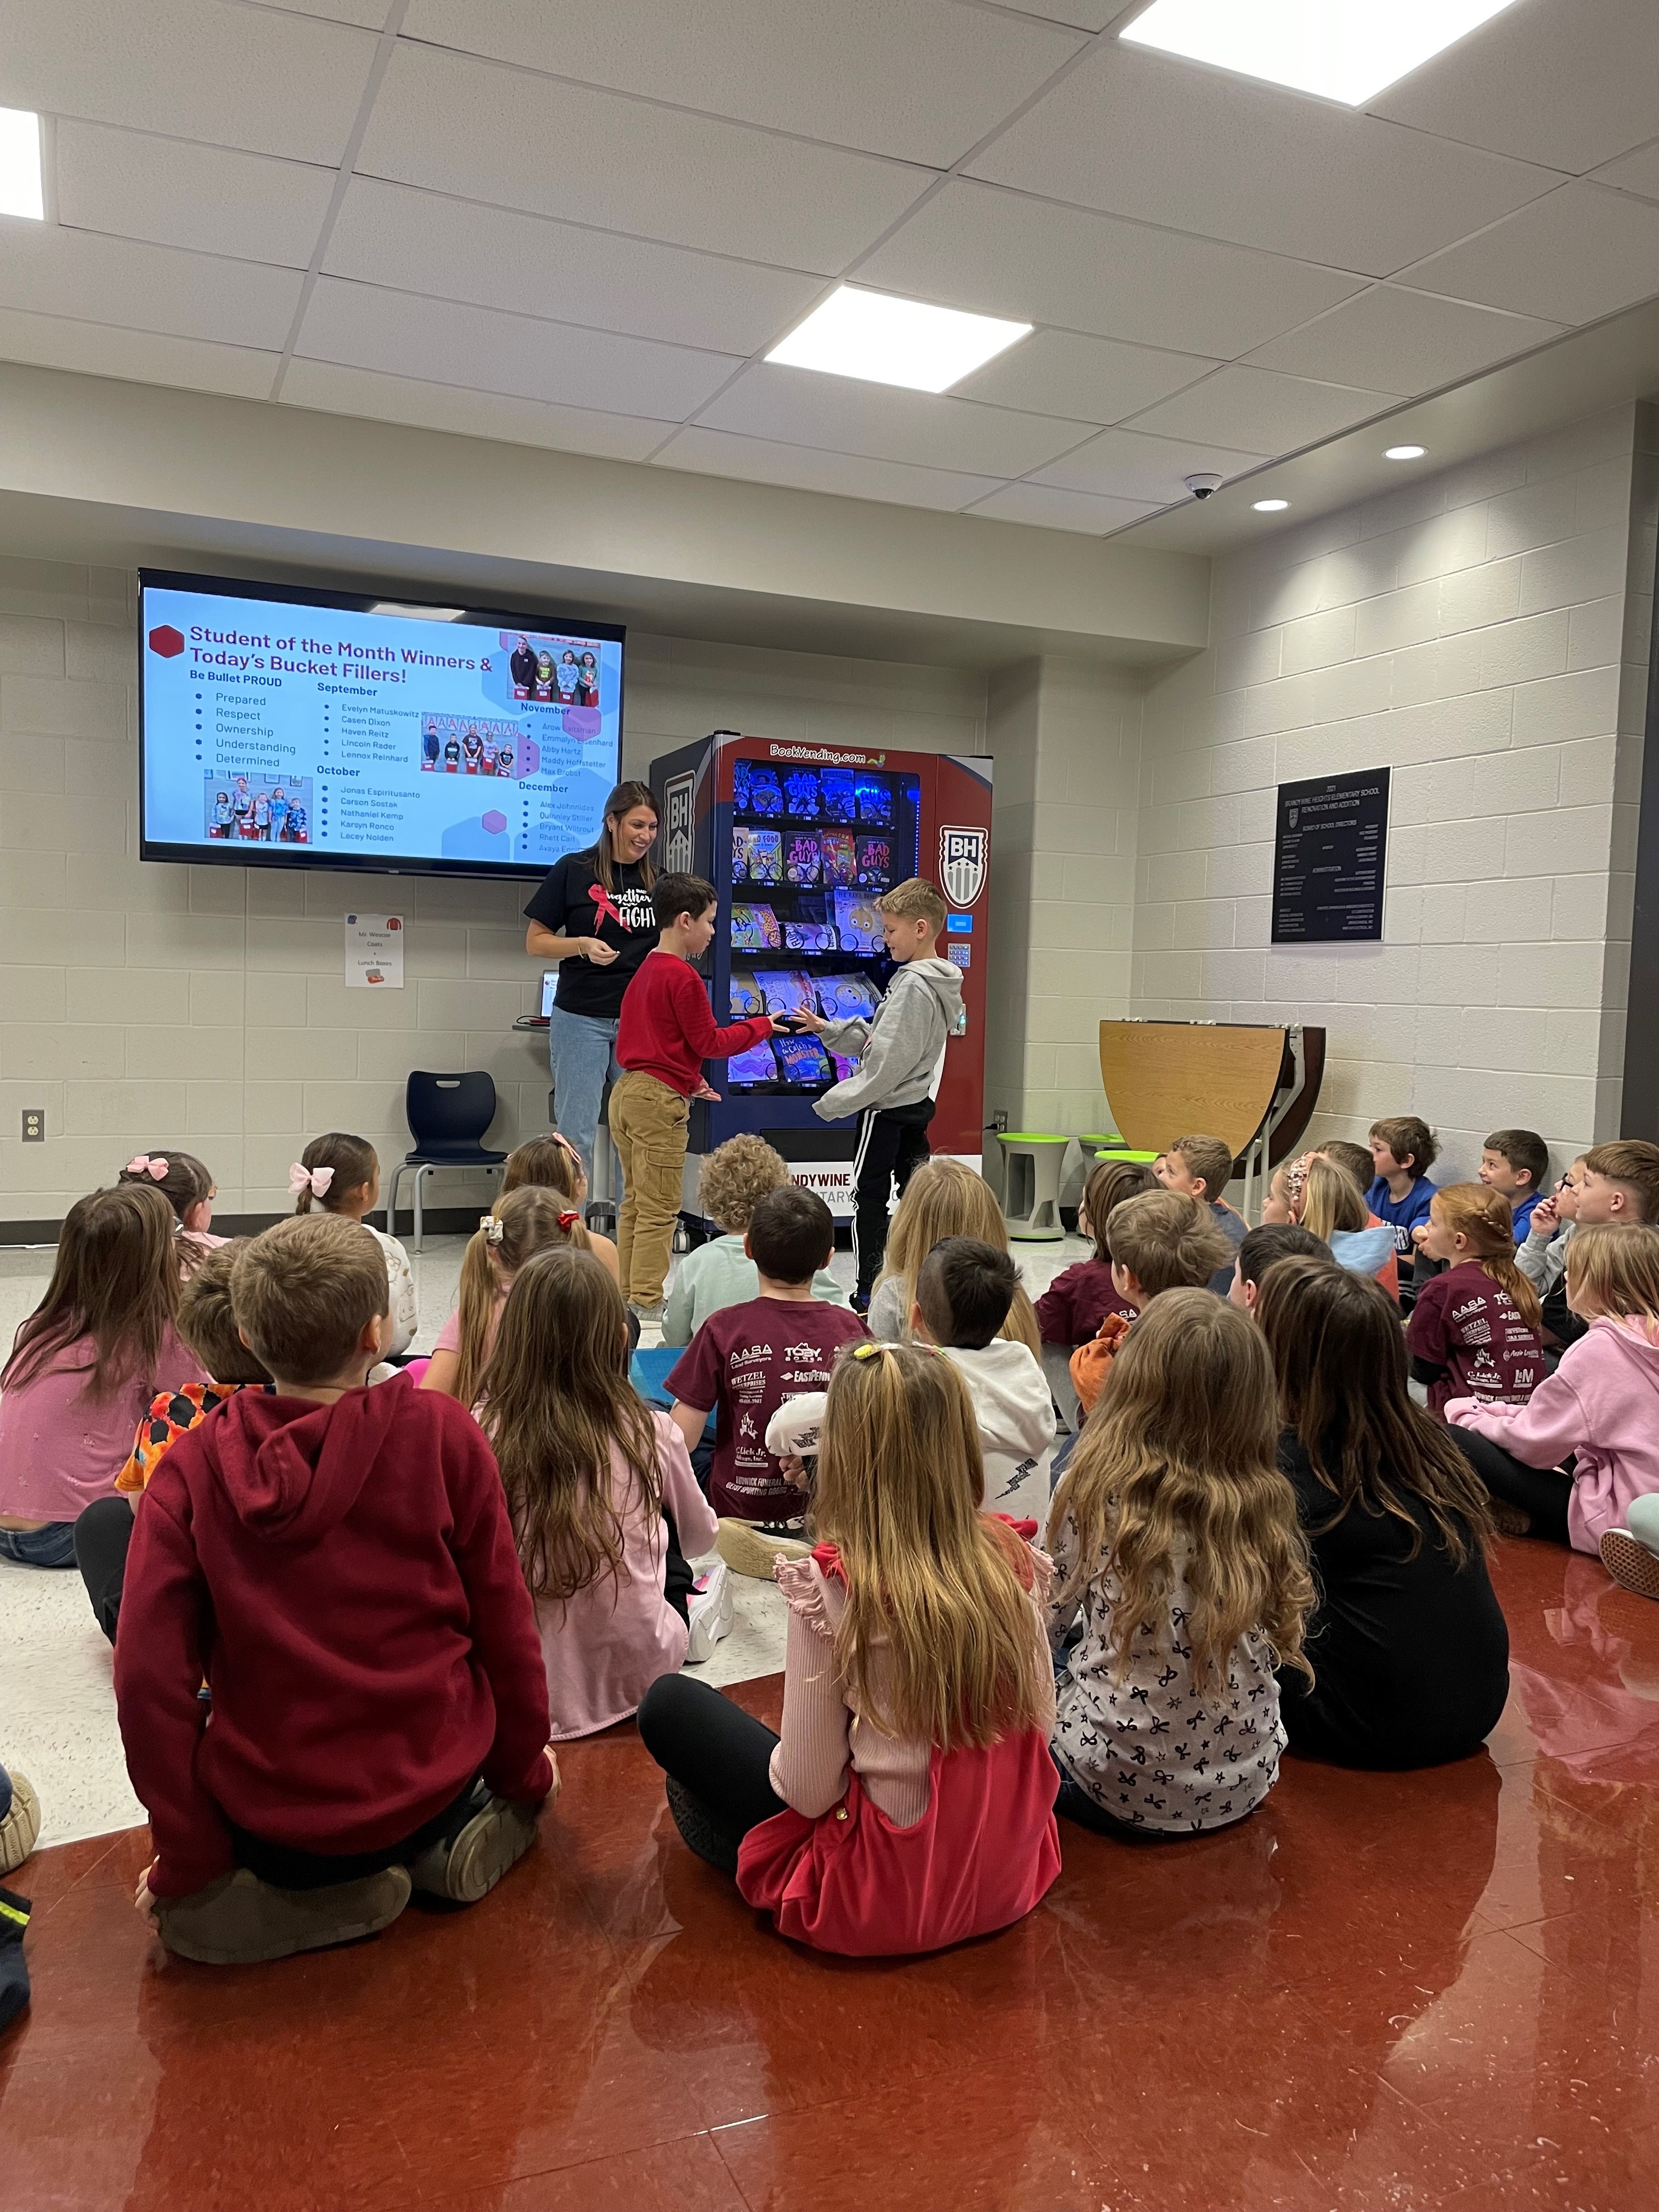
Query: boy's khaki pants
x=648 y=1127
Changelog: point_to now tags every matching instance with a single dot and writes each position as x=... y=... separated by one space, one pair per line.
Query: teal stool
x=1032 y=1160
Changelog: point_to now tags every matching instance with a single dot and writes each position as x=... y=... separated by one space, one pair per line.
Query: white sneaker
x=710 y=1609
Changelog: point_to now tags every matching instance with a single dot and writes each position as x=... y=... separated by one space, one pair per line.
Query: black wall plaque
x=1328 y=853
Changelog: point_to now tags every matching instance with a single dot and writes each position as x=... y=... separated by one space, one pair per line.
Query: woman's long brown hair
x=929 y=1578
x=623 y=800
x=1180 y=1457
x=531 y=1220
x=115 y=1279
x=1340 y=1354
x=558 y=1401
x=1482 y=1217
x=945 y=1199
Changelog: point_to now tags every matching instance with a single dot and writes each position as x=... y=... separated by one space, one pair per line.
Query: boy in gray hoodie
x=900 y=1051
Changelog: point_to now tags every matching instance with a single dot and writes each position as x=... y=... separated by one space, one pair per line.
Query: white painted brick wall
x=1483 y=633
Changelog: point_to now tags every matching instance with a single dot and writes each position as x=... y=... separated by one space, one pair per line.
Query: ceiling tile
x=177 y=193
x=52 y=271
x=1407 y=341
x=255 y=77
x=1634 y=173
x=976 y=246
x=371 y=14
x=922 y=80
x=596 y=158
x=843 y=415
x=1090 y=380
x=1050 y=509
x=1129 y=464
x=334 y=390
x=1568 y=85
x=1252 y=411
x=760 y=460
x=1137 y=134
x=139 y=356
x=1581 y=254
x=481 y=348
x=1087 y=14
x=496 y=258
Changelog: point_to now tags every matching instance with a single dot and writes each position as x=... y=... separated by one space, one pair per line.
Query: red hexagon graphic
x=167 y=641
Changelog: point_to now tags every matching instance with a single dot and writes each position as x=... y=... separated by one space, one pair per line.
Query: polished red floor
x=1388 y=1992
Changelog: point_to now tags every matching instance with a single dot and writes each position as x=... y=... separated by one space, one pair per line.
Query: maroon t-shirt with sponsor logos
x=1471 y=1327
x=744 y=1361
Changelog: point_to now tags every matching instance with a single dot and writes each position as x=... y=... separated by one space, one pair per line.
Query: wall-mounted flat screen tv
x=289 y=728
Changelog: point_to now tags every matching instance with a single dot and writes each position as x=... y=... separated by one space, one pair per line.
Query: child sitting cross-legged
x=963 y=1295
x=207 y=1326
x=339 y=1563
x=84 y=1366
x=1474 y=1328
x=341 y=1174
x=1164 y=1241
x=908 y=1803
x=527 y=1221
x=601 y=1494
x=745 y=1360
x=1574 y=1461
x=1175 y=1534
x=1072 y=1309
x=552 y=1163
x=736 y=1176
x=1409 y=1645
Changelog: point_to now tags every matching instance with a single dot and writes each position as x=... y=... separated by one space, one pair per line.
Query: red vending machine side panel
x=956 y=855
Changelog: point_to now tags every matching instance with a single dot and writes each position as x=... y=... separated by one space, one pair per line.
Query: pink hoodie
x=1601 y=1404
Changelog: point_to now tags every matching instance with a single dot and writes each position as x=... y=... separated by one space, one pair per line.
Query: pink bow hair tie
x=315 y=1179
x=142 y=1164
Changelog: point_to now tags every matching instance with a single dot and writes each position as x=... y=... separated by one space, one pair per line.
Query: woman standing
x=592 y=914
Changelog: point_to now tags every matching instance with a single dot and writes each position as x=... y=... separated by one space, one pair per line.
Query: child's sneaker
x=710 y=1610
x=751 y=1547
x=466 y=1866
x=240 y=1921
x=648 y=1316
x=21 y=1824
x=1630 y=1563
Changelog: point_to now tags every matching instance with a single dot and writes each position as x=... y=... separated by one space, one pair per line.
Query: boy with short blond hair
x=1202 y=1167
x=900 y=1051
x=1164 y=1240
x=1621 y=1183
x=338 y=1563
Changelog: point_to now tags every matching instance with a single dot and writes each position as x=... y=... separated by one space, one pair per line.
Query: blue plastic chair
x=447 y=1116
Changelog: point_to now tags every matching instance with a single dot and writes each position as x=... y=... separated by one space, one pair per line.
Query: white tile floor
x=56 y=1703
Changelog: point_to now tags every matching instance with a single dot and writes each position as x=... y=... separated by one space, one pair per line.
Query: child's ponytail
x=1483 y=1220
x=525 y=1221
x=329 y=1166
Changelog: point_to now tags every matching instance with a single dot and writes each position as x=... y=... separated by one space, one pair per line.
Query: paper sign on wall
x=374 y=951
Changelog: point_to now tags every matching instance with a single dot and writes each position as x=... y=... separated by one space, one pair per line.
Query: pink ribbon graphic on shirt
x=608 y=910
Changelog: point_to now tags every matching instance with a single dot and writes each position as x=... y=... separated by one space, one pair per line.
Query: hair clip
x=868 y=1349
x=315 y=1179
x=568 y=1221
x=141 y=1164
x=490 y=1229
x=1296 y=1177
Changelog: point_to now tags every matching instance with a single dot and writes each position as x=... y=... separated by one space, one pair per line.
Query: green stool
x=1032 y=1160
x=1122 y=1152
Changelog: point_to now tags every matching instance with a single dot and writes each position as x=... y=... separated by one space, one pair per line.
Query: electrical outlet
x=1002 y=1120
x=35 y=1125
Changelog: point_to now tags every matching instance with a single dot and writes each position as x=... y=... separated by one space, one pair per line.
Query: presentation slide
x=278 y=729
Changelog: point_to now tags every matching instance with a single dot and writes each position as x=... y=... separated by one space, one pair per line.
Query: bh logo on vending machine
x=961 y=864
x=677 y=838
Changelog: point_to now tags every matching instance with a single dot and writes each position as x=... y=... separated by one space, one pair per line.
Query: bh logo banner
x=961 y=864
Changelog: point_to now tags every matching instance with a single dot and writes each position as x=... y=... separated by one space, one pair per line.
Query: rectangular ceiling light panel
x=1346 y=50
x=888 y=341
x=21 y=189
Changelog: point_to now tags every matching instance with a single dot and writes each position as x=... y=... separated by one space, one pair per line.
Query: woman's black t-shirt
x=572 y=902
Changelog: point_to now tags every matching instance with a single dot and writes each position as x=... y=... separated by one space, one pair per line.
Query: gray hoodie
x=899 y=1048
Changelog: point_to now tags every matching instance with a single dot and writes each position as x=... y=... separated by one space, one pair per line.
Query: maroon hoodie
x=345 y=1579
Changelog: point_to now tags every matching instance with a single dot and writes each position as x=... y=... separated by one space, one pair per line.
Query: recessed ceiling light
x=887 y=341
x=1269 y=506
x=1346 y=50
x=21 y=190
x=1404 y=452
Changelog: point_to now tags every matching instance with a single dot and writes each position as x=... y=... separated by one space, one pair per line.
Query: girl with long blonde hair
x=602 y=1497
x=1175 y=1537
x=517 y=1227
x=908 y=1803
x=1474 y=1331
x=942 y=1198
x=1579 y=1463
x=1318 y=1196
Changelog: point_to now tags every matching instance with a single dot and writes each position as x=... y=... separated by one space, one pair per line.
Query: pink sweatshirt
x=1602 y=1404
x=604 y=1648
x=59 y=1449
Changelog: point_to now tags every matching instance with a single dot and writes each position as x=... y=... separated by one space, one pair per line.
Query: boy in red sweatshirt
x=666 y=1031
x=339 y=1563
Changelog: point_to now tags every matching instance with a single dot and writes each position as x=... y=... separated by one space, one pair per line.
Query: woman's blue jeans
x=582 y=1050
